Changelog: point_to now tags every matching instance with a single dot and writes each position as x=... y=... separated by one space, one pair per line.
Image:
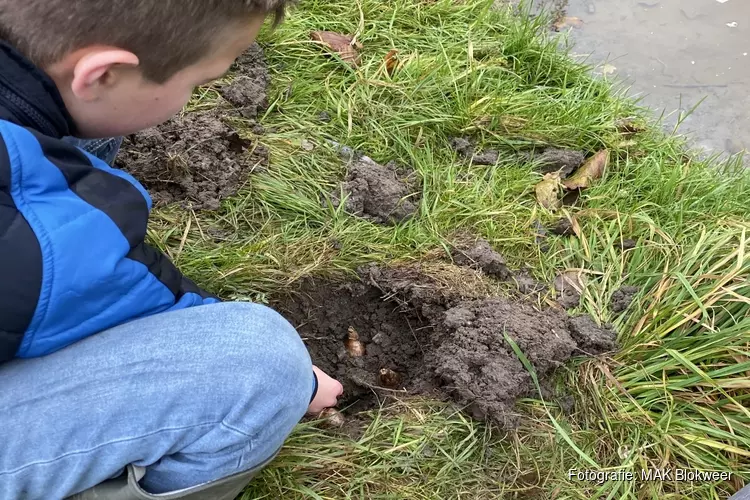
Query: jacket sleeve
x=92 y=269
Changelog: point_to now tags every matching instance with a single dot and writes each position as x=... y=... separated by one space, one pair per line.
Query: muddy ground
x=439 y=329
x=197 y=159
x=432 y=330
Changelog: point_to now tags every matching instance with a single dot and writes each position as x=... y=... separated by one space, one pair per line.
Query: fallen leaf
x=576 y=227
x=548 y=191
x=341 y=44
x=565 y=22
x=391 y=61
x=589 y=172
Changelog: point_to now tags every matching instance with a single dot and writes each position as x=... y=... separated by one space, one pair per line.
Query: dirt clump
x=466 y=148
x=324 y=312
x=590 y=338
x=248 y=91
x=623 y=297
x=197 y=158
x=380 y=193
x=478 y=367
x=434 y=339
x=563 y=227
x=248 y=94
x=564 y=161
x=482 y=256
x=628 y=244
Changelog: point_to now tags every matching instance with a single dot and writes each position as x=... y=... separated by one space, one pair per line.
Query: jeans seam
x=95 y=145
x=238 y=431
x=116 y=441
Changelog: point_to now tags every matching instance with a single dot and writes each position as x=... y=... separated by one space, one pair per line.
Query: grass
x=674 y=396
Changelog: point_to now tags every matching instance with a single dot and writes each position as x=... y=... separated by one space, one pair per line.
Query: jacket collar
x=28 y=97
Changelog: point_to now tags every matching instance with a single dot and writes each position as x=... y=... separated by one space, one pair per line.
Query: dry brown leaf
x=576 y=227
x=565 y=22
x=341 y=44
x=589 y=171
x=548 y=191
x=391 y=61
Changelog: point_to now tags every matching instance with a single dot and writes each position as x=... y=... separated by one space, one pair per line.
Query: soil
x=564 y=161
x=486 y=157
x=623 y=297
x=628 y=244
x=381 y=193
x=466 y=148
x=528 y=286
x=563 y=227
x=435 y=338
x=197 y=159
x=483 y=257
x=569 y=286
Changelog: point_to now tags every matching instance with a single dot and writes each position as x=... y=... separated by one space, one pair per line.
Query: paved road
x=675 y=53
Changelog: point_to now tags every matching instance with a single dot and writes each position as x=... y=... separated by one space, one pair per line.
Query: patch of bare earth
x=437 y=330
x=197 y=159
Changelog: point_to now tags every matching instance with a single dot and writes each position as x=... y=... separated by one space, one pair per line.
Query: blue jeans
x=192 y=395
x=106 y=149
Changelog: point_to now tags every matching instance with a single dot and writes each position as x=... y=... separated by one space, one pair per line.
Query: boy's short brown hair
x=166 y=35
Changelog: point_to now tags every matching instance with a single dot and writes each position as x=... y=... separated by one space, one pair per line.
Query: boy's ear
x=94 y=71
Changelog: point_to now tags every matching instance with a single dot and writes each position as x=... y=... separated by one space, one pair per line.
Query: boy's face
x=107 y=98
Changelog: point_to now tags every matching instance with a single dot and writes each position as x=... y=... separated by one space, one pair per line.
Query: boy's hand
x=328 y=392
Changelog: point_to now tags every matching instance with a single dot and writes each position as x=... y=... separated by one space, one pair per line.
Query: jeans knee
x=267 y=348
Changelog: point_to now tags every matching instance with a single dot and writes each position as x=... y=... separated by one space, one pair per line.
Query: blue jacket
x=73 y=260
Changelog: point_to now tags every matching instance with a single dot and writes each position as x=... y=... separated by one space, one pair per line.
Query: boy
x=110 y=373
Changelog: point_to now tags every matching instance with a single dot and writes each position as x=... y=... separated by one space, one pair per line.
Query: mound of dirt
x=198 y=159
x=248 y=92
x=482 y=256
x=564 y=161
x=434 y=340
x=623 y=297
x=377 y=192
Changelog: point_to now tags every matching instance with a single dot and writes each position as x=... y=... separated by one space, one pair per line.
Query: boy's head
x=125 y=65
